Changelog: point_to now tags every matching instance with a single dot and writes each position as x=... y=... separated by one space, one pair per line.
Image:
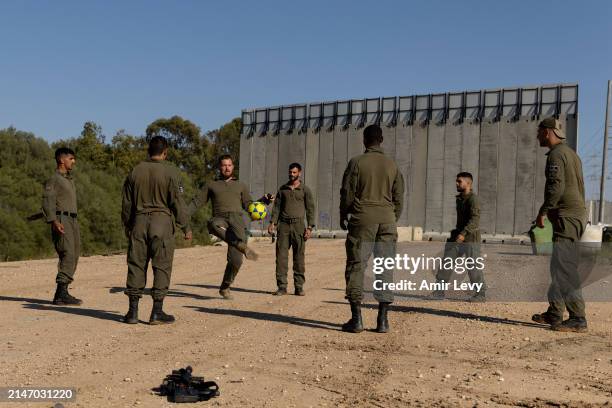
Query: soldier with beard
x=293 y=200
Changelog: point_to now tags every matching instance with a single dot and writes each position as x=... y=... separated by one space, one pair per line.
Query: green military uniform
x=60 y=204
x=290 y=207
x=468 y=225
x=229 y=199
x=372 y=194
x=564 y=205
x=152 y=196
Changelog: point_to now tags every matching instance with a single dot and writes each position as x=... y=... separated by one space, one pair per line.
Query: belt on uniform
x=291 y=220
x=66 y=213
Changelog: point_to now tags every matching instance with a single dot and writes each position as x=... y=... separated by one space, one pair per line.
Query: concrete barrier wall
x=489 y=133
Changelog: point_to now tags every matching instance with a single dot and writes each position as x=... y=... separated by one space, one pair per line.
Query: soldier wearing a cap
x=565 y=208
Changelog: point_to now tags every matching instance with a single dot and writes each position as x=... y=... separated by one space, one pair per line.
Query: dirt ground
x=288 y=351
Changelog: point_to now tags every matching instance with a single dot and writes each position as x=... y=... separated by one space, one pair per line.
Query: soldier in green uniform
x=293 y=201
x=371 y=200
x=465 y=238
x=152 y=196
x=230 y=198
x=564 y=206
x=60 y=211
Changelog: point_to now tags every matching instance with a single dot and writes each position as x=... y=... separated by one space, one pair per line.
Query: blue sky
x=124 y=64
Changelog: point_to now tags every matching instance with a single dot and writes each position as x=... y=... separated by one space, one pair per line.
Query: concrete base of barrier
x=404 y=234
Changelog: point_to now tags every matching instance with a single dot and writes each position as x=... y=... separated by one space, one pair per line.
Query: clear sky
x=124 y=64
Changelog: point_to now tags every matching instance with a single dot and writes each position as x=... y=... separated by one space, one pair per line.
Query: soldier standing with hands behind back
x=372 y=195
x=152 y=196
x=60 y=210
x=293 y=200
x=565 y=208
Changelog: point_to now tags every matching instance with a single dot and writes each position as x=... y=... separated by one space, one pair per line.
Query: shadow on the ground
x=233 y=289
x=79 y=311
x=171 y=293
x=26 y=300
x=271 y=317
x=449 y=313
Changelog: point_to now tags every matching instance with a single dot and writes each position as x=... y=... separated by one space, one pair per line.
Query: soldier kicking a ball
x=229 y=198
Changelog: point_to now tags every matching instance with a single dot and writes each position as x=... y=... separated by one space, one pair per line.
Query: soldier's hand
x=344 y=224
x=58 y=227
x=460 y=238
x=188 y=235
x=307 y=234
x=271 y=229
x=540 y=221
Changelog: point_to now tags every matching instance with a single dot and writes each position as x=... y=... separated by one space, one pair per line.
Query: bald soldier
x=60 y=211
x=564 y=206
x=293 y=206
x=371 y=200
x=230 y=198
x=152 y=203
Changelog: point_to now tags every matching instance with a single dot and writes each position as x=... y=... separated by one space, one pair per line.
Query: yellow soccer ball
x=257 y=211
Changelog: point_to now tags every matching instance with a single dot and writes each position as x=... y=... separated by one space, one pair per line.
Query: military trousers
x=68 y=248
x=565 y=291
x=290 y=236
x=230 y=228
x=454 y=250
x=151 y=240
x=361 y=242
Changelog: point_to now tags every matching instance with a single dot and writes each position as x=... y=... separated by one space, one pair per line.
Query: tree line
x=27 y=161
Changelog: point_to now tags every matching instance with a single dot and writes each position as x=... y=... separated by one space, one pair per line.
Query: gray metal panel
x=418 y=177
x=245 y=149
x=487 y=189
x=452 y=166
x=324 y=180
x=470 y=149
x=388 y=144
x=506 y=176
x=339 y=165
x=355 y=142
x=272 y=169
x=285 y=147
x=525 y=208
x=298 y=137
x=435 y=178
x=258 y=167
x=311 y=165
x=571 y=130
x=403 y=153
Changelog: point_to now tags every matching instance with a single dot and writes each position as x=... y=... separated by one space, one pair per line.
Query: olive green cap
x=555 y=125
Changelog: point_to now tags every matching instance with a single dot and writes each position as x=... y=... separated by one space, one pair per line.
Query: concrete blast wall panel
x=489 y=133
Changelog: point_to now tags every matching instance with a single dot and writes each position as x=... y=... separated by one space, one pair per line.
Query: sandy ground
x=288 y=351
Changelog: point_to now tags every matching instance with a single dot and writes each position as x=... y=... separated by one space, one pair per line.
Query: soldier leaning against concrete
x=230 y=198
x=371 y=201
x=294 y=201
x=465 y=238
x=564 y=205
x=152 y=196
x=60 y=211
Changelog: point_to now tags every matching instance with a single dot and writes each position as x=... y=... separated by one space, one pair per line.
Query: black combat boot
x=573 y=324
x=63 y=298
x=354 y=325
x=280 y=292
x=157 y=314
x=547 y=318
x=132 y=315
x=382 y=323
